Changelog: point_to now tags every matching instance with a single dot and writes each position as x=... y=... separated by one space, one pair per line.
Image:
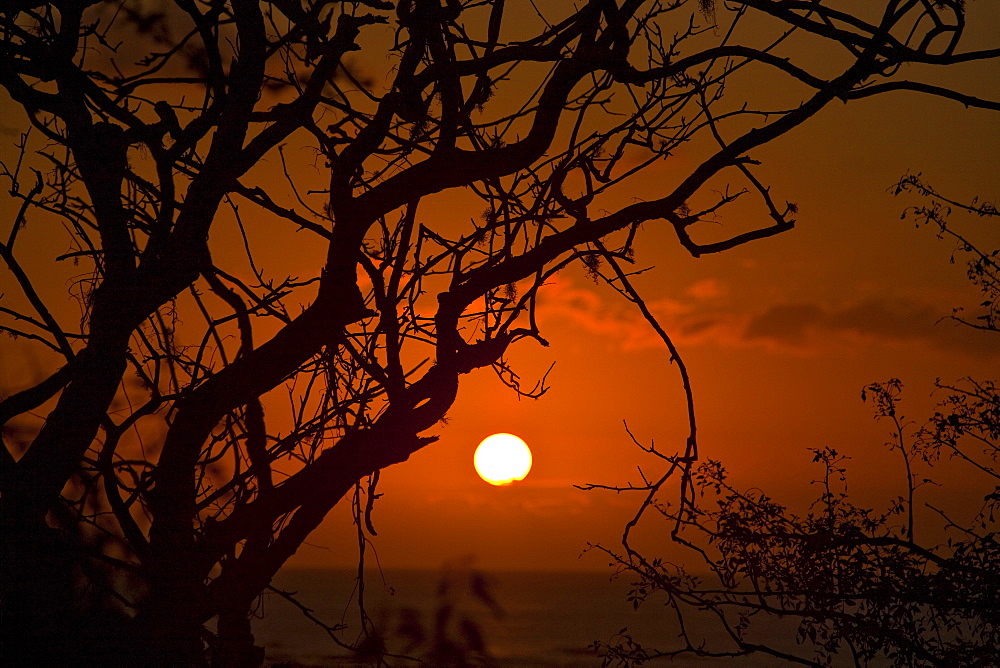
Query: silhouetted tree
x=173 y=150
x=913 y=584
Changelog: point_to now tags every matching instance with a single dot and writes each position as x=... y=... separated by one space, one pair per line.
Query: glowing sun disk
x=502 y=458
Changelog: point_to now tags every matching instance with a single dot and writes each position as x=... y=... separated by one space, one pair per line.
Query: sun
x=502 y=458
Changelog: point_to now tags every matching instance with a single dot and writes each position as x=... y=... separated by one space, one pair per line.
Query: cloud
x=784 y=323
x=896 y=321
x=586 y=309
x=695 y=317
x=705 y=313
x=708 y=288
x=547 y=498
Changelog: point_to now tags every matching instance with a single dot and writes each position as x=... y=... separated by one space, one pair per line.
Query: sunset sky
x=779 y=337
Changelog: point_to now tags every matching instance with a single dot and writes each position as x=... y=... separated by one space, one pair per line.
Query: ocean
x=530 y=619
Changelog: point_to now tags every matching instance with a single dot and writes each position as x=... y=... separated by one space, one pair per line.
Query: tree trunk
x=234 y=642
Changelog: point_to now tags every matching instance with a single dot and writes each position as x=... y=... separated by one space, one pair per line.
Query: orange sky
x=779 y=335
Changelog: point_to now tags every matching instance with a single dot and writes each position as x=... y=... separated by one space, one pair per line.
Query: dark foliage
x=909 y=585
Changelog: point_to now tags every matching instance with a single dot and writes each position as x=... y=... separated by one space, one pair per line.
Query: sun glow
x=502 y=458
